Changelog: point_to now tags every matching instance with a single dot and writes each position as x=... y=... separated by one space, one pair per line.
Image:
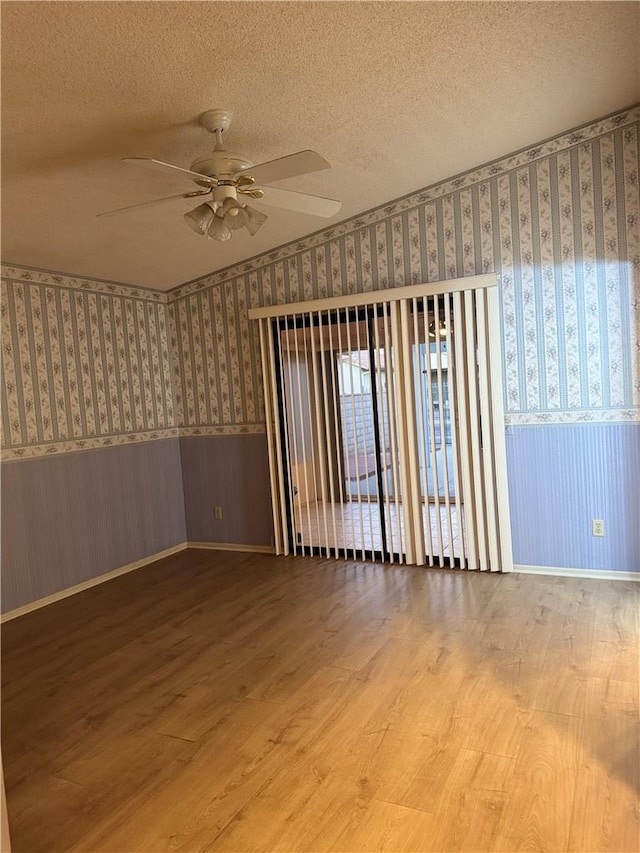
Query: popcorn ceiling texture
x=396 y=95
x=558 y=222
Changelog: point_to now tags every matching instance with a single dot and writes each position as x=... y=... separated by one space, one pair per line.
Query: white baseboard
x=232 y=546
x=79 y=587
x=130 y=567
x=594 y=574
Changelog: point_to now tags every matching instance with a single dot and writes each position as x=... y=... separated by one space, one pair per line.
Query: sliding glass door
x=385 y=426
x=336 y=436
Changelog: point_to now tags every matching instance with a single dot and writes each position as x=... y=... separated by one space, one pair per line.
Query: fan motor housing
x=221 y=164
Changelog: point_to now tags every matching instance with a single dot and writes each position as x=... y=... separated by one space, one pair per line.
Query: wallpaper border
x=584 y=133
x=229 y=429
x=55 y=448
x=31 y=275
x=35 y=451
x=501 y=166
x=19 y=275
x=583 y=416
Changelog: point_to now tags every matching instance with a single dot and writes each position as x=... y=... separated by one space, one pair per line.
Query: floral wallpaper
x=82 y=366
x=88 y=363
x=217 y=379
x=559 y=224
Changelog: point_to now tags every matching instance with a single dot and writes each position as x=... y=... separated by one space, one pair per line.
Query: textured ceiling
x=395 y=95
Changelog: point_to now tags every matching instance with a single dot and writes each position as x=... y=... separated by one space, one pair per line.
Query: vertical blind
x=385 y=425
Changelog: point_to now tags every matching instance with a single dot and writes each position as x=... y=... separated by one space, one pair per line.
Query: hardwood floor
x=218 y=701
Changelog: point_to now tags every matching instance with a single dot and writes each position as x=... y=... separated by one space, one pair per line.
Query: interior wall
x=91 y=475
x=558 y=223
x=212 y=477
x=71 y=517
x=86 y=364
x=567 y=475
x=93 y=369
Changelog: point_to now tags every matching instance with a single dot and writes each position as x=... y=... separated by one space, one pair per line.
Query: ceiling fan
x=225 y=179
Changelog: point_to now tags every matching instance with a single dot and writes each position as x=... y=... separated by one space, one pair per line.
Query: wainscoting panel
x=232 y=472
x=563 y=476
x=72 y=517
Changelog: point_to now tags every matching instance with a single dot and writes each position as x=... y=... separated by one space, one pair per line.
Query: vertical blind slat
x=403 y=440
x=422 y=433
x=320 y=452
x=274 y=468
x=329 y=454
x=432 y=432
x=395 y=467
x=500 y=454
x=415 y=519
x=365 y=505
x=356 y=461
x=476 y=456
x=468 y=519
x=450 y=324
x=283 y=453
x=443 y=427
x=294 y=461
x=487 y=442
x=384 y=438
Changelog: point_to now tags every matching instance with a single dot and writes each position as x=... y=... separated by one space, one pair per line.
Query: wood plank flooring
x=217 y=701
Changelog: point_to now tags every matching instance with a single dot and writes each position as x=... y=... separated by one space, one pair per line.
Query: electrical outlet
x=597 y=527
x=218 y=512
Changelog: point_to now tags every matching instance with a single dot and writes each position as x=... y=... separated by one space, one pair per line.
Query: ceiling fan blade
x=314 y=205
x=290 y=166
x=157 y=201
x=168 y=167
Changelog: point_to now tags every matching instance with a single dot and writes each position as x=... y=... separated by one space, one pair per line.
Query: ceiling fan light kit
x=217 y=221
x=223 y=175
x=254 y=219
x=200 y=218
x=219 y=230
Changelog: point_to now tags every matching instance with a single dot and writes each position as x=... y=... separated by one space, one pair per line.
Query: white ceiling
x=395 y=95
